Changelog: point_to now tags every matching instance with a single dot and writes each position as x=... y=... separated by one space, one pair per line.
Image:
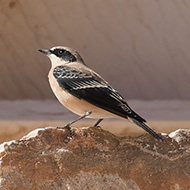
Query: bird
x=84 y=92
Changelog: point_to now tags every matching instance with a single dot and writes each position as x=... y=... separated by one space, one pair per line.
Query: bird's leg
x=97 y=123
x=70 y=123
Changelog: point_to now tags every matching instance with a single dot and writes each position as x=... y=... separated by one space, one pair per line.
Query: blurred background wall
x=141 y=47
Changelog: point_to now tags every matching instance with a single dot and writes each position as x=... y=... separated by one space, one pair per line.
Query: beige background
x=141 y=47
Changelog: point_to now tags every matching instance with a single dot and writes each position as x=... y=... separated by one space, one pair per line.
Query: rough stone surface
x=90 y=158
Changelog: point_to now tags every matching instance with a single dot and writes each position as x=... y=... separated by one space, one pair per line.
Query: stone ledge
x=95 y=159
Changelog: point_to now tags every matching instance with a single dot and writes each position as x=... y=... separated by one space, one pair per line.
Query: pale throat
x=55 y=61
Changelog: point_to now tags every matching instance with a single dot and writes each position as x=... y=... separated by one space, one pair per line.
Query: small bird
x=85 y=92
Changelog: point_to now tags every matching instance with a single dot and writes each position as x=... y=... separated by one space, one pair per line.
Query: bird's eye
x=60 y=52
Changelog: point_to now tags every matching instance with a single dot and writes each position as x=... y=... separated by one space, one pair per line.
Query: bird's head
x=60 y=55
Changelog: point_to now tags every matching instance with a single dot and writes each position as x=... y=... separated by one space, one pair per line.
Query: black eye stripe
x=58 y=52
x=64 y=54
x=51 y=51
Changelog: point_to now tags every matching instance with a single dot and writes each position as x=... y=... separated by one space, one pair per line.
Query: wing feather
x=93 y=89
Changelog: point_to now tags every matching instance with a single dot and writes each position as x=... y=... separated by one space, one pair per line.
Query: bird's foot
x=67 y=127
x=97 y=126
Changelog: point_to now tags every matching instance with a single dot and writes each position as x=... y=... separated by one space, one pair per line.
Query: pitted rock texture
x=90 y=158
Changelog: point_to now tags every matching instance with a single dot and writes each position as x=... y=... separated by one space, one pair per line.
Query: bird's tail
x=146 y=128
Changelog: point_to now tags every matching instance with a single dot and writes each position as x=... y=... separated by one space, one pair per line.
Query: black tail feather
x=146 y=128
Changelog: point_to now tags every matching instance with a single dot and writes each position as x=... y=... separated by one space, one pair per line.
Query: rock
x=181 y=136
x=90 y=158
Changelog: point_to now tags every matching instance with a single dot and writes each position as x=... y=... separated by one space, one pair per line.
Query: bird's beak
x=45 y=51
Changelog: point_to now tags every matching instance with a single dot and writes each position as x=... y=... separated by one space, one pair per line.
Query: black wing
x=90 y=87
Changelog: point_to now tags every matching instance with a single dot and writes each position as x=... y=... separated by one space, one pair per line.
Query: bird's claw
x=97 y=126
x=67 y=126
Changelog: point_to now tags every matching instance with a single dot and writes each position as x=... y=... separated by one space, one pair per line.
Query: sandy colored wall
x=141 y=47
